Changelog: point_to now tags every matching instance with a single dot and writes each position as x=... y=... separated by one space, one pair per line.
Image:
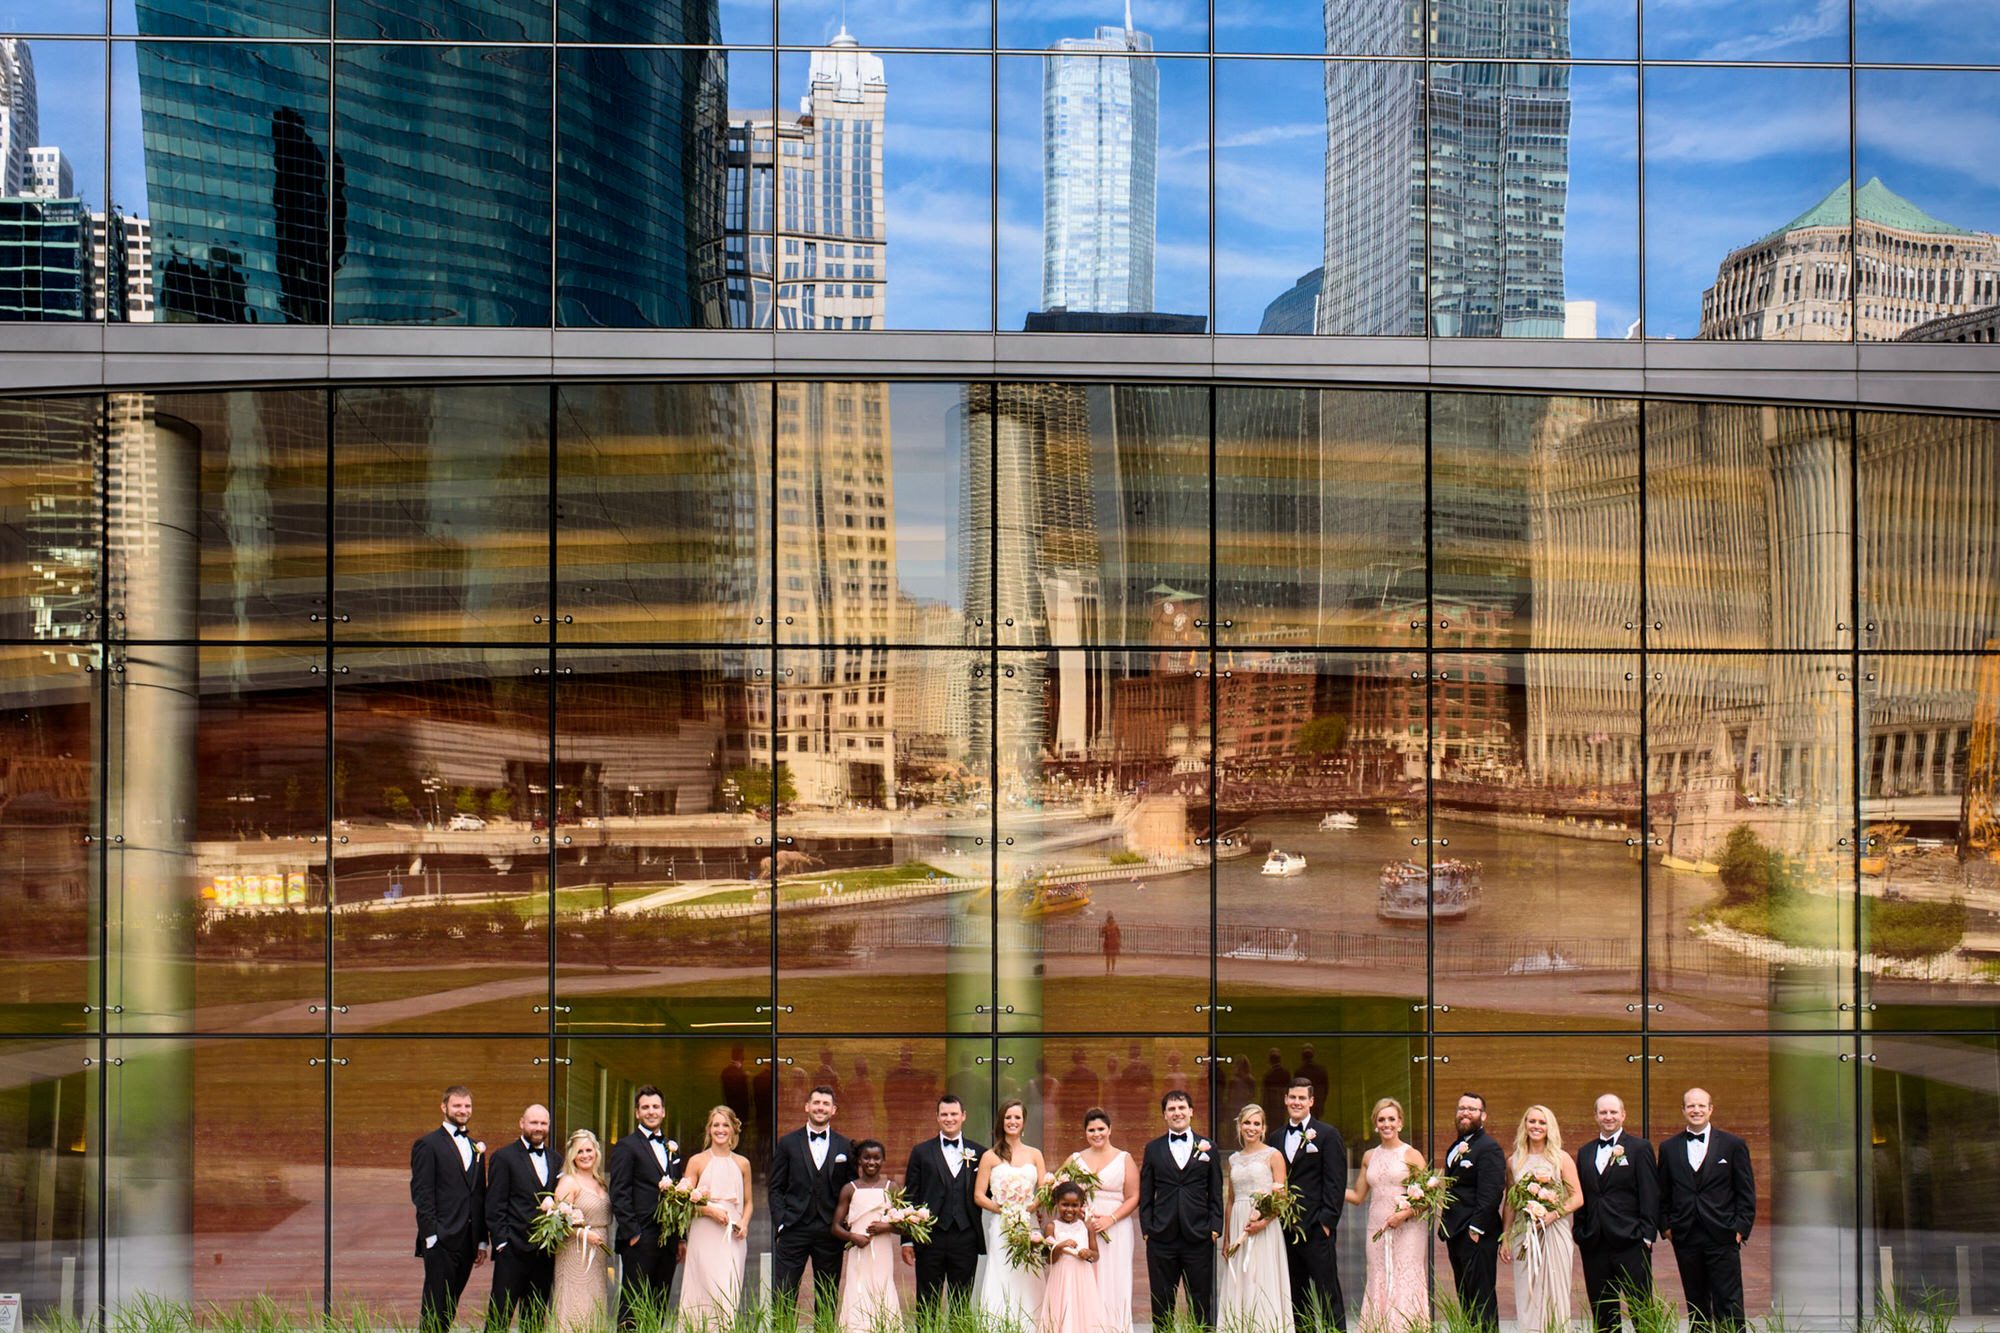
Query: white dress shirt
x=1181 y=1145
x=461 y=1141
x=817 y=1145
x=540 y=1159
x=954 y=1154
x=1295 y=1136
x=1698 y=1150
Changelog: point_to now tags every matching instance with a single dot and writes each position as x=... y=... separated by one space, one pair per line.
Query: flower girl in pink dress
x=1071 y=1302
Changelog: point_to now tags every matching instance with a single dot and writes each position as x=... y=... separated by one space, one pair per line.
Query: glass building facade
x=606 y=625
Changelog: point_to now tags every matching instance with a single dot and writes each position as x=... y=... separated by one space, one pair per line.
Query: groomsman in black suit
x=1708 y=1202
x=516 y=1173
x=808 y=1169
x=641 y=1165
x=940 y=1176
x=1180 y=1212
x=448 y=1186
x=1316 y=1165
x=1478 y=1169
x=1620 y=1214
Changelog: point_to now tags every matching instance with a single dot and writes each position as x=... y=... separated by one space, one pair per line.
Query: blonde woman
x=1398 y=1294
x=712 y=1280
x=1541 y=1241
x=1256 y=1292
x=580 y=1296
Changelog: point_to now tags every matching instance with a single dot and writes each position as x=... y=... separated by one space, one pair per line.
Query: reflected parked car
x=466 y=824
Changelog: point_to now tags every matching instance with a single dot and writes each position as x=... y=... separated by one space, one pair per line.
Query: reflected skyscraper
x=1493 y=203
x=1100 y=171
x=20 y=115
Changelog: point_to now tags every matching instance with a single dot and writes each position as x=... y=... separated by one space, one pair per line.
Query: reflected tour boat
x=1339 y=820
x=1053 y=899
x=1454 y=890
x=1284 y=863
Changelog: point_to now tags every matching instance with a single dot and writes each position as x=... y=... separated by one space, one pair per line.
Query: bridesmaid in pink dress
x=1398 y=1296
x=868 y=1274
x=1070 y=1299
x=712 y=1278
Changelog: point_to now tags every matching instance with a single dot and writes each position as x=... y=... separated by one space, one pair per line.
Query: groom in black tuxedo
x=940 y=1176
x=1471 y=1225
x=1620 y=1214
x=516 y=1174
x=448 y=1187
x=1708 y=1203
x=1316 y=1166
x=808 y=1169
x=1180 y=1212
x=641 y=1164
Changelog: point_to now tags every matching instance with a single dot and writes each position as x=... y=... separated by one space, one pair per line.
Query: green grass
x=1899 y=928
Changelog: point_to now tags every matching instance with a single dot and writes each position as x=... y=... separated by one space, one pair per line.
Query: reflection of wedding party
x=651 y=1229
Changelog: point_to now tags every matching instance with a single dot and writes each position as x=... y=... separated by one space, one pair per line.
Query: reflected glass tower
x=20 y=115
x=1100 y=171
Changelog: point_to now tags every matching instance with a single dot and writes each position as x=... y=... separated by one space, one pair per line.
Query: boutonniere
x=1311 y=1133
x=1618 y=1154
x=969 y=1157
x=672 y=1147
x=1201 y=1146
x=479 y=1148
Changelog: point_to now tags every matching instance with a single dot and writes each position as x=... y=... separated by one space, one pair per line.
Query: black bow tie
x=536 y=1151
x=1608 y=1142
x=951 y=1143
x=1295 y=1129
x=1177 y=1138
x=654 y=1138
x=817 y=1136
x=460 y=1132
x=1698 y=1138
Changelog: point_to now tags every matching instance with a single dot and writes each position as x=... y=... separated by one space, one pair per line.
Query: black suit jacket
x=635 y=1185
x=928 y=1181
x=511 y=1192
x=1623 y=1204
x=1176 y=1203
x=799 y=1192
x=1478 y=1183
x=450 y=1197
x=1318 y=1170
x=1720 y=1199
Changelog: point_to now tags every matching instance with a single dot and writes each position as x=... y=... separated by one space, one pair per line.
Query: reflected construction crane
x=1978 y=829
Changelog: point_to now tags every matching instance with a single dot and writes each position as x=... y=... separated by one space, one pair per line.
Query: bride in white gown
x=1256 y=1295
x=1009 y=1173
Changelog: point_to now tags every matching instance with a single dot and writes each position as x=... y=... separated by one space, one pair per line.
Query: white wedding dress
x=1006 y=1293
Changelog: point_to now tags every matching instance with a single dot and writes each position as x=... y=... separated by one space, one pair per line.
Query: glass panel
x=1929 y=500
x=1748 y=511
x=1372 y=279
x=1319 y=777
x=878 y=140
x=1751 y=807
x=885 y=841
x=1919 y=262
x=252 y=464
x=1535 y=908
x=225 y=145
x=1798 y=30
x=647 y=183
x=692 y=24
x=424 y=741
x=1105 y=761
x=1534 y=521
x=1319 y=516
x=50 y=517
x=49 y=1138
x=1722 y=261
x=1927 y=774
x=443 y=20
x=887 y=1088
x=220 y=18
x=1047 y=27
x=49 y=871
x=258 y=857
x=1104 y=190
x=1299 y=27
x=64 y=16
x=1549 y=30
x=446 y=151
x=386 y=1095
x=441 y=516
x=663 y=916
x=52 y=186
x=1791 y=1100
x=1103 y=513
x=1270 y=192
x=663 y=521
x=1944 y=32
x=887 y=22
x=216 y=1153
x=1931 y=1107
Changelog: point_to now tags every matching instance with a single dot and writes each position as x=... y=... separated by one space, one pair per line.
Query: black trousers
x=1711 y=1277
x=949 y=1261
x=1475 y=1266
x=645 y=1275
x=1613 y=1270
x=447 y=1268
x=1315 y=1278
x=1171 y=1262
x=522 y=1277
x=805 y=1243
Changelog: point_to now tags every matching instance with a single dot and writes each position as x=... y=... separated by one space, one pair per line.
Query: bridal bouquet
x=1426 y=1193
x=1011 y=1191
x=913 y=1221
x=1532 y=1199
x=1027 y=1244
x=1284 y=1204
x=680 y=1203
x=555 y=1223
x=1072 y=1172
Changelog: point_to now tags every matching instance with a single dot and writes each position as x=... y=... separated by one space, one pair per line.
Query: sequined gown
x=1398 y=1295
